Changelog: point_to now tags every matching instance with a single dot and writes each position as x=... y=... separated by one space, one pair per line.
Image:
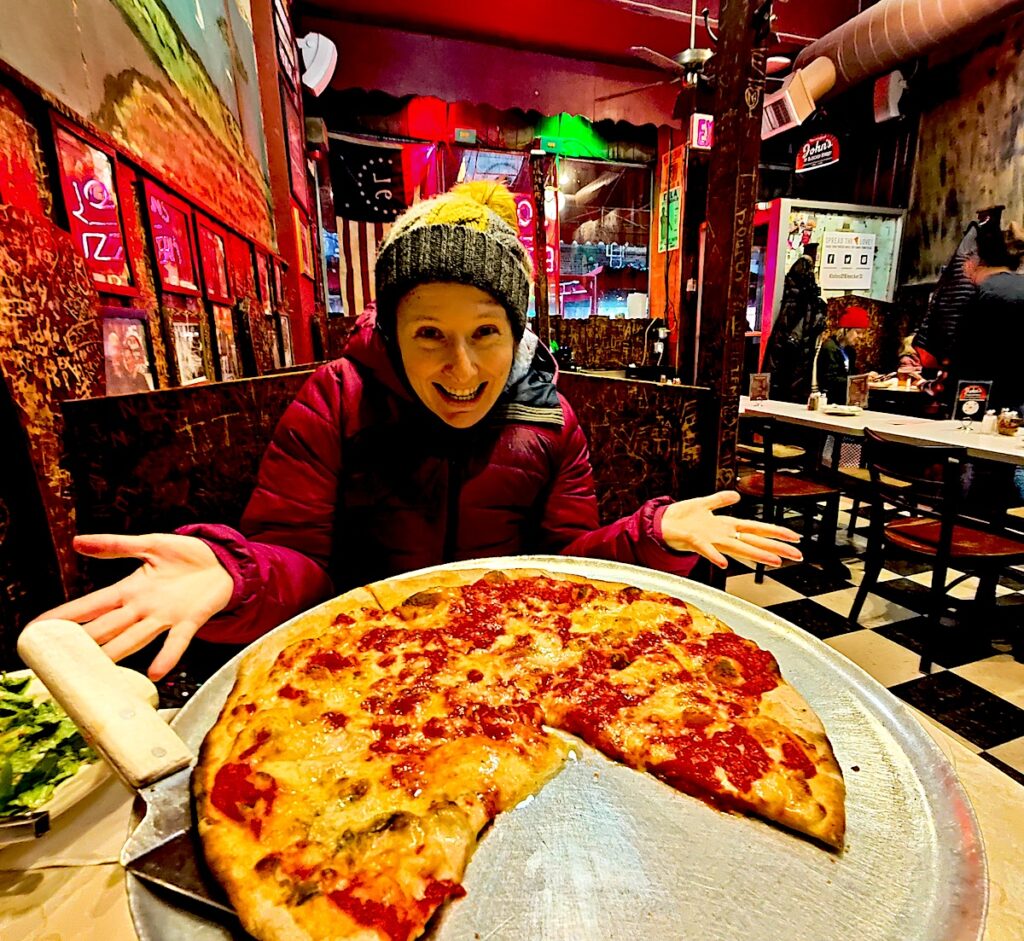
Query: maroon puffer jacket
x=361 y=482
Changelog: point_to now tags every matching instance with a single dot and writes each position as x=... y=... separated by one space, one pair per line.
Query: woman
x=439 y=435
x=837 y=358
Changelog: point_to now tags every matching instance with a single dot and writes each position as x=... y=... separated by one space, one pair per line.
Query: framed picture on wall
x=188 y=344
x=228 y=363
x=170 y=225
x=88 y=179
x=127 y=355
x=263 y=284
x=279 y=267
x=295 y=140
x=241 y=277
x=287 y=356
x=305 y=243
x=287 y=51
x=214 y=257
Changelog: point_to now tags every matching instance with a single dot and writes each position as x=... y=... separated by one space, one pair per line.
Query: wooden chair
x=777 y=490
x=922 y=484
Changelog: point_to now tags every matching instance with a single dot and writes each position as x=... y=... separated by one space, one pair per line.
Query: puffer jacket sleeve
x=570 y=521
x=279 y=560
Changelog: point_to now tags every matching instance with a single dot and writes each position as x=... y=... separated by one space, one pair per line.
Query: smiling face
x=457 y=348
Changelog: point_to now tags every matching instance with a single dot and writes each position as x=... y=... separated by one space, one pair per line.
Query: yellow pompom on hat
x=468 y=235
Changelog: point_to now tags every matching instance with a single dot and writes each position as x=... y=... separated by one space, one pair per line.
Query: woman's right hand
x=178 y=588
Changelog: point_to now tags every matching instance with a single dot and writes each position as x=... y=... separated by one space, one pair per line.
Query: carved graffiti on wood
x=50 y=351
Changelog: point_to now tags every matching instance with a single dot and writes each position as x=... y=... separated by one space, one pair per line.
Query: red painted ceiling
x=601 y=30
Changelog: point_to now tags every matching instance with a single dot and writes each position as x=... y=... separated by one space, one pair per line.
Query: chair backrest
x=923 y=480
x=766 y=429
x=914 y=476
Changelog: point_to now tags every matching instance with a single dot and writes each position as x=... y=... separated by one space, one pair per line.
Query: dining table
x=1004 y=449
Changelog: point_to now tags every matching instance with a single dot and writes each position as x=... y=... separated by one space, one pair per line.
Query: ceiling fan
x=688 y=65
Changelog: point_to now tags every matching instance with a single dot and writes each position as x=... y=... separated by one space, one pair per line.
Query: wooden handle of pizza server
x=109 y=711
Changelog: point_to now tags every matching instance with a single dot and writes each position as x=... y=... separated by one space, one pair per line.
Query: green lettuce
x=39 y=747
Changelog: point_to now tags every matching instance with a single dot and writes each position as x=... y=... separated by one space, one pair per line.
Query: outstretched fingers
x=768 y=530
x=781 y=550
x=88 y=606
x=175 y=644
x=105 y=546
x=719 y=500
x=134 y=638
x=745 y=549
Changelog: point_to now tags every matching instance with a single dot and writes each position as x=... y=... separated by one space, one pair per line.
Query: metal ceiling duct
x=894 y=31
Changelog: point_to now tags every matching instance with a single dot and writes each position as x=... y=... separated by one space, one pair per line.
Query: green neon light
x=575 y=135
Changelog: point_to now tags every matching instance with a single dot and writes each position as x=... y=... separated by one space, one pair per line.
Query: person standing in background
x=990 y=347
x=837 y=358
x=794 y=335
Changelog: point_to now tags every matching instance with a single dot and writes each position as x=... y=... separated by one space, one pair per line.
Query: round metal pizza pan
x=604 y=853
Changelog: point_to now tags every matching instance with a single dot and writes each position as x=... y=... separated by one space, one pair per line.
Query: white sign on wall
x=847 y=259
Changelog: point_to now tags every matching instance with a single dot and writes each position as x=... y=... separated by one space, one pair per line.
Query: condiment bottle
x=988 y=423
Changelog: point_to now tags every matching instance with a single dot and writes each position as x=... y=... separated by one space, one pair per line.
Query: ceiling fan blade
x=635 y=89
x=656 y=58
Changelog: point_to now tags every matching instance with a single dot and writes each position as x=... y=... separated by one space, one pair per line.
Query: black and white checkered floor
x=974 y=693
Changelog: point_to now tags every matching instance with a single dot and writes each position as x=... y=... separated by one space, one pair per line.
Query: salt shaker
x=988 y=423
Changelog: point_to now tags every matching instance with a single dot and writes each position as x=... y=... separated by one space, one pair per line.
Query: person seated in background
x=837 y=356
x=439 y=435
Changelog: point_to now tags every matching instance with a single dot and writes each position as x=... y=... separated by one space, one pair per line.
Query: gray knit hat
x=469 y=236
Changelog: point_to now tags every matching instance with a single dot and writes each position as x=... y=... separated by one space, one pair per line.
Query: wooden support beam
x=739 y=63
x=540 y=168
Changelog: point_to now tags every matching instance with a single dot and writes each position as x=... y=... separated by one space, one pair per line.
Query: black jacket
x=794 y=333
x=834 y=369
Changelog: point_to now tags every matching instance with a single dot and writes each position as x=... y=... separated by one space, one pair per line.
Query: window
x=604 y=215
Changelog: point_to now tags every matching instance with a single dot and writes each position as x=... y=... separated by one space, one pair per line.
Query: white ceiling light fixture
x=319 y=60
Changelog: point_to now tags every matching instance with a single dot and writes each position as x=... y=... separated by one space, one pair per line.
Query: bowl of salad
x=45 y=763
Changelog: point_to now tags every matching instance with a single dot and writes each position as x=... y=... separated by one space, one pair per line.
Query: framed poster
x=229 y=366
x=88 y=180
x=187 y=339
x=760 y=384
x=295 y=145
x=857 y=390
x=279 y=269
x=287 y=51
x=241 y=274
x=213 y=254
x=126 y=350
x=263 y=284
x=170 y=224
x=305 y=243
x=287 y=356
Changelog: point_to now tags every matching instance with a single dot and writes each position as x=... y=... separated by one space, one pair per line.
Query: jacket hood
x=530 y=395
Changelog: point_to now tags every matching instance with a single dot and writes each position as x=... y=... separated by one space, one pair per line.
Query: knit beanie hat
x=469 y=236
x=854 y=318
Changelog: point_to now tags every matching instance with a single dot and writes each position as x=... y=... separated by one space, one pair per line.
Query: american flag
x=357 y=244
x=369 y=186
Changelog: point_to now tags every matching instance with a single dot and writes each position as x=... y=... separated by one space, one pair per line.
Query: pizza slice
x=342 y=791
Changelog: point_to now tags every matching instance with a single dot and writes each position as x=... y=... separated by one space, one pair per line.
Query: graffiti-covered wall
x=173 y=82
x=971 y=151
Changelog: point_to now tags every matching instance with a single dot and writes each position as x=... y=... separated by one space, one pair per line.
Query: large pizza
x=364 y=747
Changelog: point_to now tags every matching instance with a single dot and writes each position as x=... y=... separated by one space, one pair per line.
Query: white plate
x=842 y=409
x=92 y=773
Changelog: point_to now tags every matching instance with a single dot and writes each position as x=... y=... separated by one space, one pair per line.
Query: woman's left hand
x=691 y=526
